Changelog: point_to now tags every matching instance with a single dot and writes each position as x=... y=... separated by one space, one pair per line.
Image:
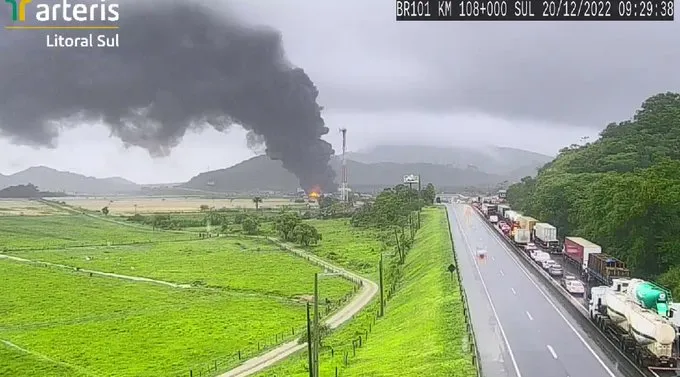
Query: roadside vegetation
x=240 y=292
x=423 y=329
x=621 y=191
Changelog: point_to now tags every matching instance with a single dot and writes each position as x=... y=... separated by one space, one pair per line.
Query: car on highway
x=567 y=278
x=528 y=248
x=533 y=253
x=556 y=270
x=574 y=287
x=539 y=256
x=546 y=264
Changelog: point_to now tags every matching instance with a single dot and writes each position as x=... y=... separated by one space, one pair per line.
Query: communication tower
x=344 y=193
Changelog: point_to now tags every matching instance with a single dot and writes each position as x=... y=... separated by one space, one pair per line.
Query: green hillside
x=621 y=191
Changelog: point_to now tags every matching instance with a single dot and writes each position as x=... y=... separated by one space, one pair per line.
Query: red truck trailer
x=578 y=250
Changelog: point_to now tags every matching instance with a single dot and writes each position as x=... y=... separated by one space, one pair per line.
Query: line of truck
x=635 y=314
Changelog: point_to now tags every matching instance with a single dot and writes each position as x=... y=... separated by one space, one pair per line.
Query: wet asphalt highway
x=521 y=330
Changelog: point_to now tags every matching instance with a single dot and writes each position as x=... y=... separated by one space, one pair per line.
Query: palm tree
x=257 y=200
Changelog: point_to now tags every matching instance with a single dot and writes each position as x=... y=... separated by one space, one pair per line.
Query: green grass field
x=353 y=248
x=248 y=265
x=59 y=322
x=423 y=332
x=116 y=328
x=52 y=232
x=18 y=363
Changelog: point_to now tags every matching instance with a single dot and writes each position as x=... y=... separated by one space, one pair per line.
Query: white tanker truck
x=635 y=313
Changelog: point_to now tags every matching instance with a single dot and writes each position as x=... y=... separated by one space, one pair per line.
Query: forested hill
x=621 y=191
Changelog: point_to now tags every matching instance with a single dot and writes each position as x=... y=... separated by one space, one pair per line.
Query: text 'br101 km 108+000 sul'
x=535 y=10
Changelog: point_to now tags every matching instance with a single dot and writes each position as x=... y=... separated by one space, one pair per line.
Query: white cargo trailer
x=545 y=236
x=522 y=236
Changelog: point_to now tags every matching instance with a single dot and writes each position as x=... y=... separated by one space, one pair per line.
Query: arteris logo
x=64 y=11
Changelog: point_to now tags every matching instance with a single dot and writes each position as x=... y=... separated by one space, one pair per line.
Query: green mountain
x=448 y=168
x=261 y=173
x=621 y=191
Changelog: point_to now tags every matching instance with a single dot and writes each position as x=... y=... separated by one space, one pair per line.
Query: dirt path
x=45 y=358
x=368 y=290
x=98 y=273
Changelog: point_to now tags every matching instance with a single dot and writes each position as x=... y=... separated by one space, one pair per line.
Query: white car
x=530 y=247
x=574 y=287
x=534 y=253
x=556 y=270
x=546 y=264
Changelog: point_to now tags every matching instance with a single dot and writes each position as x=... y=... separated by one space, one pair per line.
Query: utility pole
x=382 y=300
x=309 y=343
x=317 y=337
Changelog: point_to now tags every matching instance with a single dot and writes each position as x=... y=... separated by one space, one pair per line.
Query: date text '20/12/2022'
x=534 y=10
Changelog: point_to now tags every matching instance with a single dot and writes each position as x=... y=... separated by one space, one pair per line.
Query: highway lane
x=538 y=336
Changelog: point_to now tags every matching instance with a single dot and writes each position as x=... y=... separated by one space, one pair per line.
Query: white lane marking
x=530 y=317
x=501 y=271
x=488 y=296
x=493 y=258
x=513 y=291
x=552 y=352
x=573 y=329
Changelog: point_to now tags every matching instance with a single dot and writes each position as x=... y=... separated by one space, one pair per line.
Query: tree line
x=621 y=191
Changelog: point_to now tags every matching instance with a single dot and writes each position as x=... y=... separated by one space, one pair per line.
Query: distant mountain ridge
x=48 y=179
x=491 y=159
x=382 y=166
x=261 y=173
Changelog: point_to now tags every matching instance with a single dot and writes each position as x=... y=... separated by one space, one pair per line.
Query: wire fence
x=232 y=361
x=337 y=356
x=472 y=340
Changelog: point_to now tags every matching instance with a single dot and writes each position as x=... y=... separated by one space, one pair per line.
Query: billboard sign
x=411 y=178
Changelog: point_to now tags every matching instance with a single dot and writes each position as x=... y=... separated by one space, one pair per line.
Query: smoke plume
x=179 y=66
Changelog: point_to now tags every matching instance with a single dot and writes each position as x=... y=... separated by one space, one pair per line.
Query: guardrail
x=472 y=340
x=577 y=306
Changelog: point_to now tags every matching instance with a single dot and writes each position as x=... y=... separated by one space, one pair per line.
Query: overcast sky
x=537 y=86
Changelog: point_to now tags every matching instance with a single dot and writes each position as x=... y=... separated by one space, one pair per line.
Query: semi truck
x=578 y=250
x=502 y=209
x=603 y=268
x=513 y=216
x=527 y=222
x=644 y=334
x=521 y=236
x=636 y=315
x=489 y=209
x=545 y=236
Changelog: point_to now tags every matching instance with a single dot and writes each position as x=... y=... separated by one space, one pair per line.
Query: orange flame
x=315 y=192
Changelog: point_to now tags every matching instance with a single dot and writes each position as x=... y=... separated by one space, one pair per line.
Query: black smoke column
x=179 y=66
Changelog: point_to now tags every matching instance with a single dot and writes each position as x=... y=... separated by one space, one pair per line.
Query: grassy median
x=423 y=332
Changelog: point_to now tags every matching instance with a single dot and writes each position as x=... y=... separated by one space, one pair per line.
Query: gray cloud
x=578 y=73
x=179 y=66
